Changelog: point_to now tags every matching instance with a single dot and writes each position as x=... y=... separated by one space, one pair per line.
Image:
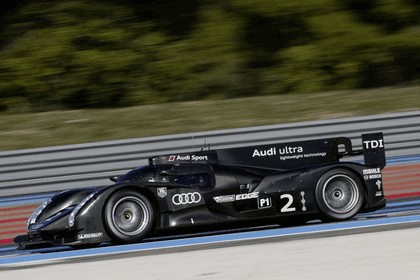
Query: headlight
x=37 y=212
x=77 y=209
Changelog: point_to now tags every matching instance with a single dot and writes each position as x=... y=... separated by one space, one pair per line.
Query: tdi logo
x=373 y=144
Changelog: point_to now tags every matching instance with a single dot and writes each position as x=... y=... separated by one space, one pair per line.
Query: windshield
x=144 y=174
x=184 y=176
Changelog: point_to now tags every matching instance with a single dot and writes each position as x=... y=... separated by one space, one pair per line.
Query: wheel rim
x=340 y=193
x=130 y=215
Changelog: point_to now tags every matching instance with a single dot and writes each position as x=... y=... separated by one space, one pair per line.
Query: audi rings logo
x=186 y=198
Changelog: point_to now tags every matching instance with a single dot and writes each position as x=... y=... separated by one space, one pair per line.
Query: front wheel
x=339 y=195
x=129 y=216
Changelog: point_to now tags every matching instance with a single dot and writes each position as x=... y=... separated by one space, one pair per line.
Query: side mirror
x=114 y=178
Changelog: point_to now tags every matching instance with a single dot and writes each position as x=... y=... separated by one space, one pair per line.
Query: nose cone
x=56 y=222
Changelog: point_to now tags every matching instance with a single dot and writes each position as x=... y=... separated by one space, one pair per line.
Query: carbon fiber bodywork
x=270 y=183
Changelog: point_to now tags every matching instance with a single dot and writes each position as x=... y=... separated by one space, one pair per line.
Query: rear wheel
x=339 y=195
x=129 y=216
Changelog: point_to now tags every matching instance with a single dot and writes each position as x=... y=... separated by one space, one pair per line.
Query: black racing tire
x=339 y=195
x=129 y=216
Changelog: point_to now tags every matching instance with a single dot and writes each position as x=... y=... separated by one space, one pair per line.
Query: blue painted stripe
x=6 y=249
x=26 y=197
x=403 y=159
x=393 y=210
x=19 y=200
x=278 y=232
x=402 y=203
x=396 y=207
x=397 y=160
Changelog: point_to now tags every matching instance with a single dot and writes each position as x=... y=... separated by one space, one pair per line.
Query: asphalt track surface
x=388 y=255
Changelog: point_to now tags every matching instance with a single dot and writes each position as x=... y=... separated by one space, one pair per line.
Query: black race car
x=287 y=183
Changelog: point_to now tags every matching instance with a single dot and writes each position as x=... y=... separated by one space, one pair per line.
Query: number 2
x=287 y=208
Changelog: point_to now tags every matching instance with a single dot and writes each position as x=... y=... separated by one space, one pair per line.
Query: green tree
x=84 y=54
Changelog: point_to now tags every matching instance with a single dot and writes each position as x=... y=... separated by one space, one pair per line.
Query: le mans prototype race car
x=286 y=183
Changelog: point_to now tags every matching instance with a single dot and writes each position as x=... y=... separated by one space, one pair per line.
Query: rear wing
x=286 y=155
x=373 y=149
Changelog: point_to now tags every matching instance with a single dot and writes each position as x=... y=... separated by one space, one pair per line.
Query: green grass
x=18 y=131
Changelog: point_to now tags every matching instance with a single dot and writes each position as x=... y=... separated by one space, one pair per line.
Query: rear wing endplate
x=374 y=149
